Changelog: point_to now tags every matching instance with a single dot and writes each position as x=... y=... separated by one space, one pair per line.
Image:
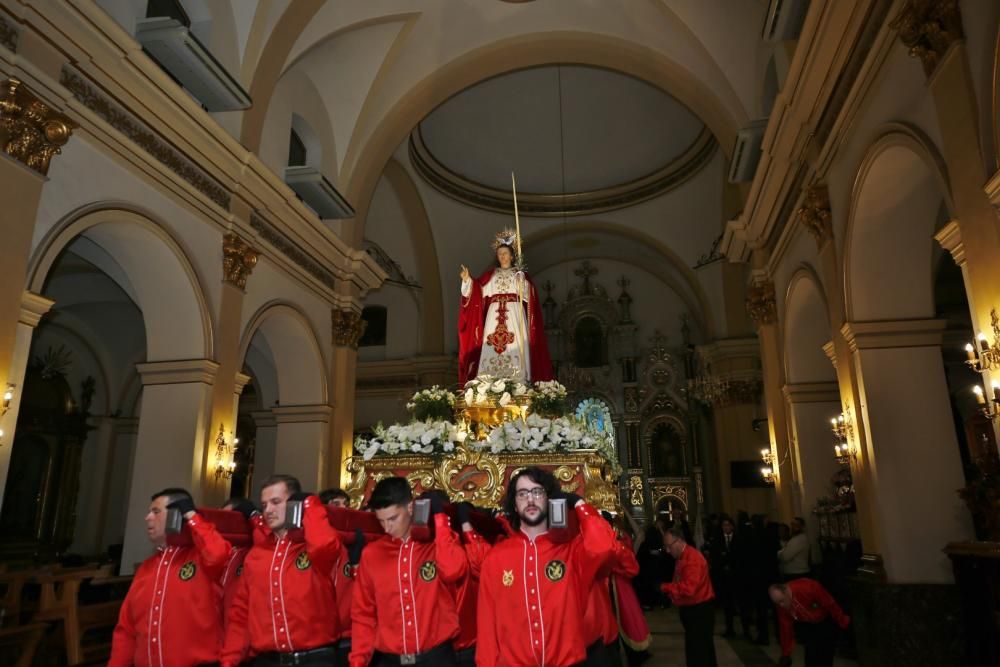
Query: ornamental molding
x=31 y=132
x=238 y=260
x=928 y=28
x=8 y=34
x=814 y=214
x=761 y=305
x=294 y=253
x=348 y=328
x=485 y=197
x=142 y=136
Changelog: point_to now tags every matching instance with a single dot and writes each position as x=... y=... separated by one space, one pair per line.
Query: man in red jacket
x=599 y=619
x=691 y=590
x=404 y=596
x=533 y=588
x=285 y=611
x=171 y=615
x=807 y=609
x=467 y=593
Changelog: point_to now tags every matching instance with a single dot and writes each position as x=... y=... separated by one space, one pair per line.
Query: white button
x=405 y=576
x=407 y=607
x=532 y=606
x=536 y=642
x=154 y=640
x=536 y=624
x=409 y=623
x=157 y=607
x=532 y=591
x=281 y=629
x=531 y=558
x=275 y=599
x=531 y=574
x=276 y=569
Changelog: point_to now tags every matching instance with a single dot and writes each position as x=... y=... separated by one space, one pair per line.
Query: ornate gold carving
x=347 y=327
x=148 y=140
x=927 y=28
x=566 y=477
x=661 y=491
x=760 y=303
x=814 y=213
x=600 y=492
x=484 y=418
x=31 y=132
x=238 y=260
x=8 y=34
x=479 y=478
x=635 y=490
x=631 y=400
x=283 y=245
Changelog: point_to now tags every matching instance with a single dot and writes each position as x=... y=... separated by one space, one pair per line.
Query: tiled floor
x=668 y=646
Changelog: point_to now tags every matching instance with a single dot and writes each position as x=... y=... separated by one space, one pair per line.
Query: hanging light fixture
x=843 y=431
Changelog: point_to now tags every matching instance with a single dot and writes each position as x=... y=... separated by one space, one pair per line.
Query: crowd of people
x=421 y=591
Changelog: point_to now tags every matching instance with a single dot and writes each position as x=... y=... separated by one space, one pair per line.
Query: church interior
x=762 y=241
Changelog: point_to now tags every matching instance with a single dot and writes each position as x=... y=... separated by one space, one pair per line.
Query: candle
x=996 y=391
x=970 y=352
x=982 y=342
x=978 y=391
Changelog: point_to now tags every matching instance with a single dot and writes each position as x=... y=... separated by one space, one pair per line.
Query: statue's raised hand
x=464 y=273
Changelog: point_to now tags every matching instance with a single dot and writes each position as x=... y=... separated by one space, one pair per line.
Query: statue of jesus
x=500 y=327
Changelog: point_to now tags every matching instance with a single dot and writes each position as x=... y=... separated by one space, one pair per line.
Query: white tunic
x=505 y=333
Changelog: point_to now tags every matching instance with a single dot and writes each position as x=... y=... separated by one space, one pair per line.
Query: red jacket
x=286 y=601
x=811 y=603
x=343 y=585
x=404 y=594
x=172 y=614
x=532 y=595
x=467 y=593
x=691 y=584
x=599 y=618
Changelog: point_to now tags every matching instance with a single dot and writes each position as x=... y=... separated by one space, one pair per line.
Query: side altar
x=470 y=445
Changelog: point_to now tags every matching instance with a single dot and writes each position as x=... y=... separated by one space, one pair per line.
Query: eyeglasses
x=537 y=493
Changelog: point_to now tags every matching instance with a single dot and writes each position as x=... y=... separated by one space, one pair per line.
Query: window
x=375 y=329
x=296 y=150
x=589 y=344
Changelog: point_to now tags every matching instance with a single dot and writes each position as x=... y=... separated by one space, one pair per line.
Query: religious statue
x=500 y=328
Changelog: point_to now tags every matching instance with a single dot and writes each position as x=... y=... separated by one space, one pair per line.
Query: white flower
x=469 y=394
x=520 y=390
x=505 y=399
x=498 y=386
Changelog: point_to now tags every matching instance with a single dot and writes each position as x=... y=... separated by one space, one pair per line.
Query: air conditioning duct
x=746 y=152
x=318 y=193
x=783 y=20
x=186 y=59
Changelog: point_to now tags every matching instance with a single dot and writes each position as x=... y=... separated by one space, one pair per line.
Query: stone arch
x=806 y=330
x=160 y=277
x=894 y=211
x=299 y=360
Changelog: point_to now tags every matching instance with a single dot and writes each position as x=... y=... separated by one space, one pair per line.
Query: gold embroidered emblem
x=508 y=578
x=302 y=562
x=187 y=570
x=555 y=570
x=428 y=570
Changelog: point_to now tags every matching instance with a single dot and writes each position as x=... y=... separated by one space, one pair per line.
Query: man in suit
x=723 y=564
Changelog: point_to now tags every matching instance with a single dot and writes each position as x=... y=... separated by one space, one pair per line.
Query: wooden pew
x=59 y=603
x=21 y=642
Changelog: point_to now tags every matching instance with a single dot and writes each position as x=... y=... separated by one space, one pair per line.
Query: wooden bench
x=21 y=642
x=59 y=602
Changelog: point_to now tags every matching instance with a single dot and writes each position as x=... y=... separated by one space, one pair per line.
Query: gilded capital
x=238 y=260
x=814 y=213
x=927 y=28
x=348 y=328
x=760 y=303
x=31 y=133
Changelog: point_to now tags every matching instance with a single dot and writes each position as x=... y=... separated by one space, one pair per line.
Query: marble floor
x=667 y=645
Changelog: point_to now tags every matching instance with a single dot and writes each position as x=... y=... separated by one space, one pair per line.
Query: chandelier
x=225 y=461
x=983 y=358
x=710 y=389
x=843 y=431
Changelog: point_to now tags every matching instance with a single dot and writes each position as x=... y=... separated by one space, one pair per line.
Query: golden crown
x=507 y=237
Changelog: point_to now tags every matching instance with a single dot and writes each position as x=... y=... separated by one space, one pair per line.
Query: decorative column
x=347 y=328
x=171 y=447
x=238 y=262
x=302 y=434
x=761 y=309
x=31 y=133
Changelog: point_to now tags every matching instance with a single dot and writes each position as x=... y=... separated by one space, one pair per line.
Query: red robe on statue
x=471 y=332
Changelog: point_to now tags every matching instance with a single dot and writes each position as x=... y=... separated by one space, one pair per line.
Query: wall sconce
x=843 y=431
x=983 y=356
x=225 y=463
x=8 y=396
x=990 y=408
x=767 y=472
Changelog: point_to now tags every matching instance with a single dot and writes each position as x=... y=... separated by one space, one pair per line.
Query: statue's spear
x=520 y=265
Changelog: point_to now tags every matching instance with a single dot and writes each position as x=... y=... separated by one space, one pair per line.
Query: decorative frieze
x=238 y=260
x=814 y=214
x=136 y=131
x=31 y=132
x=287 y=248
x=348 y=328
x=761 y=305
x=928 y=28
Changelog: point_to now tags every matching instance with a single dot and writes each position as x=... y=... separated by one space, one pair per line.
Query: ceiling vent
x=188 y=62
x=746 y=152
x=318 y=193
x=783 y=20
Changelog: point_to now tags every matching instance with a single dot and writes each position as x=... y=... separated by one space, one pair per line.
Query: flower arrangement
x=488 y=390
x=540 y=434
x=427 y=437
x=548 y=399
x=434 y=404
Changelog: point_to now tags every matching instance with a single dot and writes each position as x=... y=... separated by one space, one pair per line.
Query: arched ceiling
x=561 y=128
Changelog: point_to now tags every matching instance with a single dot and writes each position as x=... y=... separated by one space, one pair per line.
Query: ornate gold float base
x=484 y=418
x=481 y=477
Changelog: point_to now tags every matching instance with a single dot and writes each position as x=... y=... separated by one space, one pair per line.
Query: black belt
x=413 y=658
x=298 y=657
